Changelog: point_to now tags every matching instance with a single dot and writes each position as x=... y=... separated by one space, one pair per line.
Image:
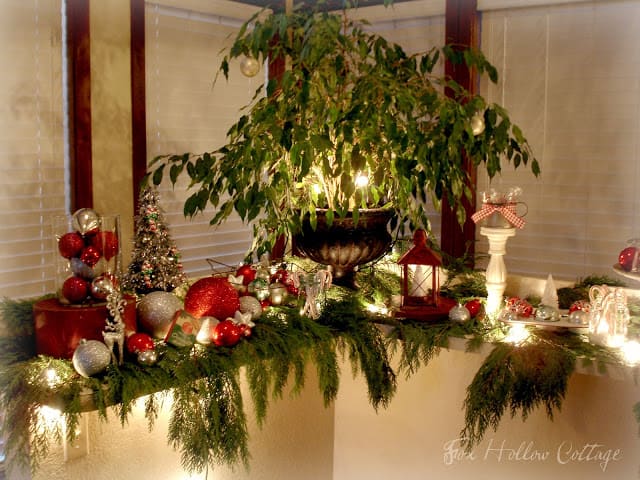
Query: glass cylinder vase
x=87 y=256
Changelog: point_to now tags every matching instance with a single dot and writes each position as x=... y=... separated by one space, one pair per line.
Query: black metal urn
x=344 y=244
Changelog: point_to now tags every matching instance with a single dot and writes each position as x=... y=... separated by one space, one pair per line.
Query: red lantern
x=421 y=298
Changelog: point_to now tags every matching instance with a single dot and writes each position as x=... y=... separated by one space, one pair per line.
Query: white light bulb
x=361 y=180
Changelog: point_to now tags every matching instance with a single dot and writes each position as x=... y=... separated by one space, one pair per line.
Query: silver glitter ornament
x=251 y=305
x=459 y=313
x=91 y=357
x=147 y=357
x=156 y=311
x=85 y=220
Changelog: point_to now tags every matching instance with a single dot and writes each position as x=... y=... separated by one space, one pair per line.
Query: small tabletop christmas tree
x=155 y=260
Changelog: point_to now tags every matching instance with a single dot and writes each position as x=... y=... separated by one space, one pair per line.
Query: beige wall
x=409 y=440
x=111 y=114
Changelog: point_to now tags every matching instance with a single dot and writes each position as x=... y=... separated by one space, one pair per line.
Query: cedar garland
x=208 y=422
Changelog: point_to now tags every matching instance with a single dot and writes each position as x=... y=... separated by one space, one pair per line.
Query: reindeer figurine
x=113 y=333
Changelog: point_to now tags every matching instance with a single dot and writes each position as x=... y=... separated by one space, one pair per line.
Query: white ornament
x=237 y=282
x=243 y=319
x=477 y=124
x=249 y=67
x=251 y=305
x=550 y=295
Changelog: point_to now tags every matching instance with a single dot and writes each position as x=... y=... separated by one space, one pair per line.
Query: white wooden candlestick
x=496 y=275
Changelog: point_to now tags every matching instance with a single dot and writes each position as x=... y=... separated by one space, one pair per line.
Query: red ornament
x=227 y=333
x=627 y=258
x=266 y=303
x=106 y=242
x=70 y=244
x=140 y=342
x=583 y=305
x=245 y=329
x=474 y=306
x=248 y=274
x=75 y=289
x=281 y=276
x=212 y=297
x=90 y=256
x=520 y=307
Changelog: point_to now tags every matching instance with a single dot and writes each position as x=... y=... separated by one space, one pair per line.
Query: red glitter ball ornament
x=70 y=244
x=227 y=333
x=106 y=242
x=627 y=258
x=212 y=297
x=473 y=306
x=139 y=342
x=75 y=289
x=90 y=256
x=248 y=274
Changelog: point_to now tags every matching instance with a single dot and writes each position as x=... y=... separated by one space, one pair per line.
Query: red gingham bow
x=507 y=210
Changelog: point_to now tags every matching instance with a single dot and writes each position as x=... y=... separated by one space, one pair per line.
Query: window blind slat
x=568 y=76
x=31 y=153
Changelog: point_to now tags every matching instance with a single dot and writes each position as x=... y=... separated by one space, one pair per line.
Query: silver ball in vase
x=85 y=220
x=459 y=313
x=101 y=287
x=90 y=357
x=156 y=311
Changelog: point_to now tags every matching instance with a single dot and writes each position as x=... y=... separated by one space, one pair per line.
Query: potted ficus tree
x=355 y=127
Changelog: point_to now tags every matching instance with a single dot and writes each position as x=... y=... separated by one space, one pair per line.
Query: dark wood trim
x=138 y=99
x=461 y=30
x=79 y=53
x=277 y=67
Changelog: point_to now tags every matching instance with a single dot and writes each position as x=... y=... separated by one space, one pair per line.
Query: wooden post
x=461 y=31
x=78 y=41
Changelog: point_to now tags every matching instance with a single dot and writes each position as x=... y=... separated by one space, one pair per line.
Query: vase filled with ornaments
x=87 y=256
x=88 y=262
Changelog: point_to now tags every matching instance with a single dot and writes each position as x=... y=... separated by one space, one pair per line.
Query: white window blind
x=187 y=113
x=569 y=75
x=31 y=144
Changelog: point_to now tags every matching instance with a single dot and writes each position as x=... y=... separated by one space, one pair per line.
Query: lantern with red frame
x=421 y=299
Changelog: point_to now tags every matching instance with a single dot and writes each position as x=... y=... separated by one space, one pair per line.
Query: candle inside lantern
x=419 y=283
